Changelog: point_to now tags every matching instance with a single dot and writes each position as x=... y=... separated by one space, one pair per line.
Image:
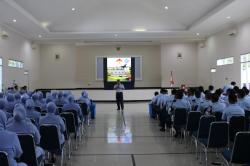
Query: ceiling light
x=166 y=7
x=198 y=34
x=116 y=35
x=45 y=24
x=73 y=9
x=213 y=70
x=228 y=17
x=40 y=36
x=14 y=20
x=140 y=30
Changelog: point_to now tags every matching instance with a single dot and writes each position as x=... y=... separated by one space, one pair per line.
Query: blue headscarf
x=51 y=108
x=85 y=94
x=19 y=113
x=3 y=120
x=2 y=104
x=29 y=104
x=10 y=98
x=71 y=99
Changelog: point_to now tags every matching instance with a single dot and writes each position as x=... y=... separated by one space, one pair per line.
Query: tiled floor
x=139 y=143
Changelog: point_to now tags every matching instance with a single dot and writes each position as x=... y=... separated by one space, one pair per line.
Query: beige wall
x=18 y=48
x=76 y=67
x=221 y=45
x=184 y=69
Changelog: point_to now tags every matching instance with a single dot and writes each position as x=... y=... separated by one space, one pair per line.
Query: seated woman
x=21 y=125
x=53 y=119
x=31 y=112
x=9 y=142
x=10 y=103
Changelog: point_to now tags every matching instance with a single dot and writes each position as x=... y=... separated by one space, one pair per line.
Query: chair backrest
x=204 y=126
x=4 y=159
x=247 y=119
x=74 y=114
x=241 y=148
x=195 y=108
x=38 y=109
x=84 y=108
x=193 y=121
x=59 y=110
x=70 y=121
x=236 y=124
x=218 y=116
x=49 y=137
x=218 y=135
x=65 y=133
x=28 y=146
x=180 y=117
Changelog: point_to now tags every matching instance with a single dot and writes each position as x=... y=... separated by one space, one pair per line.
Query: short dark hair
x=197 y=94
x=156 y=93
x=245 y=90
x=201 y=89
x=214 y=97
x=233 y=83
x=179 y=94
x=207 y=95
x=219 y=91
x=241 y=93
x=232 y=98
x=210 y=87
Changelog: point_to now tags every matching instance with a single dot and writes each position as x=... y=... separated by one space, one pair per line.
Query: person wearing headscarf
x=2 y=108
x=17 y=98
x=20 y=125
x=24 y=98
x=10 y=103
x=1 y=95
x=71 y=105
x=52 y=118
x=41 y=100
x=35 y=99
x=85 y=98
x=9 y=142
x=31 y=112
x=60 y=100
x=54 y=95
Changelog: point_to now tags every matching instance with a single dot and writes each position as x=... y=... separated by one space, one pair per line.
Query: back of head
x=40 y=95
x=2 y=104
x=232 y=98
x=210 y=87
x=197 y=93
x=19 y=113
x=207 y=95
x=214 y=97
x=3 y=121
x=29 y=104
x=85 y=94
x=236 y=89
x=17 y=96
x=241 y=93
x=219 y=92
x=245 y=90
x=10 y=97
x=71 y=99
x=51 y=107
x=156 y=93
x=162 y=91
x=60 y=95
x=201 y=89
x=233 y=83
x=179 y=94
x=35 y=97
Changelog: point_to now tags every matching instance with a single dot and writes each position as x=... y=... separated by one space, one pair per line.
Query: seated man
x=233 y=108
x=22 y=126
x=243 y=101
x=217 y=106
x=205 y=104
x=9 y=142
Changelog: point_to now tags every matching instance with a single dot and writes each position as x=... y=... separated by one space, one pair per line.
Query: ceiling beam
x=210 y=13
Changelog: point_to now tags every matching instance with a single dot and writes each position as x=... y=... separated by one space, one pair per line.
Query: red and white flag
x=171 y=78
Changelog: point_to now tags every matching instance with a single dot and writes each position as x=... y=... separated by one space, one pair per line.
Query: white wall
x=76 y=67
x=184 y=69
x=17 y=47
x=221 y=45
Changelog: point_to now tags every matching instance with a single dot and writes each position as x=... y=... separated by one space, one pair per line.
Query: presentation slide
x=119 y=69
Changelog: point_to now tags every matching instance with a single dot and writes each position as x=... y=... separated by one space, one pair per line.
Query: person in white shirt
x=119 y=87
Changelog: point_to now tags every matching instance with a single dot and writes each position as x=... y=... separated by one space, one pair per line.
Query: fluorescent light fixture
x=166 y=7
x=116 y=35
x=228 y=17
x=73 y=9
x=213 y=70
x=14 y=20
x=40 y=36
x=198 y=34
x=139 y=29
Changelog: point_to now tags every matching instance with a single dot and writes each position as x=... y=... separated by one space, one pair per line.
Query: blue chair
x=4 y=159
x=240 y=152
x=218 y=138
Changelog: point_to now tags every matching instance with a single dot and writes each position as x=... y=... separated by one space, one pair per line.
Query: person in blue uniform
x=71 y=105
x=52 y=118
x=243 y=101
x=60 y=100
x=20 y=125
x=85 y=98
x=217 y=106
x=24 y=98
x=41 y=100
x=31 y=112
x=17 y=98
x=36 y=100
x=233 y=108
x=9 y=142
x=10 y=103
x=2 y=107
x=206 y=104
x=180 y=103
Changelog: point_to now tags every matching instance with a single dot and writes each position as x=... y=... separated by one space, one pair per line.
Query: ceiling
x=115 y=20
